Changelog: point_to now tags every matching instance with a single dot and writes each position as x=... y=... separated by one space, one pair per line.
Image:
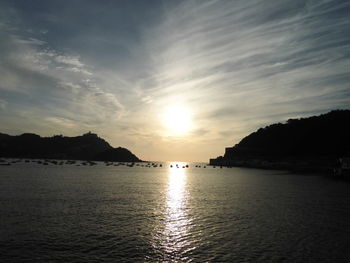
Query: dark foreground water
x=138 y=214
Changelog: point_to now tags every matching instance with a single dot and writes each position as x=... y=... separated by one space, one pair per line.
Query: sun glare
x=177 y=120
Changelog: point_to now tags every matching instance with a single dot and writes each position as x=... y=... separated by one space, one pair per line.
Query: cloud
x=3 y=104
x=29 y=41
x=53 y=85
x=69 y=60
x=238 y=65
x=249 y=60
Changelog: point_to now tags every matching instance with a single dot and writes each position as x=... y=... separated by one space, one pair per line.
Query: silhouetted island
x=308 y=144
x=86 y=147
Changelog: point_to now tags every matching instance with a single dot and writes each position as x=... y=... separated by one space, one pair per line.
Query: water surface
x=111 y=213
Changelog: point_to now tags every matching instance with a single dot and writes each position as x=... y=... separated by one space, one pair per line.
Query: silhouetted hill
x=324 y=137
x=86 y=147
x=118 y=154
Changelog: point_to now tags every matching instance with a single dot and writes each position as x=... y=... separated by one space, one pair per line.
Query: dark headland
x=86 y=147
x=312 y=144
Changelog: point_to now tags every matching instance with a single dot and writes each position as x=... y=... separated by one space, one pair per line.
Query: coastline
x=321 y=165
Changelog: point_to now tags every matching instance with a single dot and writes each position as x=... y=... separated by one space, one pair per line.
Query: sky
x=170 y=80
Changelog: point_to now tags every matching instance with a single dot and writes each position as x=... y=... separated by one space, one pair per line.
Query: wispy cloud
x=54 y=85
x=253 y=60
x=237 y=65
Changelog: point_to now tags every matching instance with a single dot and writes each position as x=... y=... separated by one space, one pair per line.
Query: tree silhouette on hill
x=323 y=136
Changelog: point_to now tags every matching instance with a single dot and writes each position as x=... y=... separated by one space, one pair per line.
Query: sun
x=177 y=119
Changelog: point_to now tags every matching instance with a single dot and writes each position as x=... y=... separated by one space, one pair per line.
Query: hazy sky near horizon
x=116 y=68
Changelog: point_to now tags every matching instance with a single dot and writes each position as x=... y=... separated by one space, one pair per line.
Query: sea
x=167 y=212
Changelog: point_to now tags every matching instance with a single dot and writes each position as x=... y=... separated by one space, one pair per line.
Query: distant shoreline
x=322 y=166
x=312 y=144
x=88 y=146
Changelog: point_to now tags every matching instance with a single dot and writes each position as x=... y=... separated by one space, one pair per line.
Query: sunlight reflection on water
x=122 y=214
x=175 y=234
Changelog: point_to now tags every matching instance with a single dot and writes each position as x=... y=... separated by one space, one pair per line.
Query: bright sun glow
x=178 y=120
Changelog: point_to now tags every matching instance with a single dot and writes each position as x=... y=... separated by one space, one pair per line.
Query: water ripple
x=118 y=214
